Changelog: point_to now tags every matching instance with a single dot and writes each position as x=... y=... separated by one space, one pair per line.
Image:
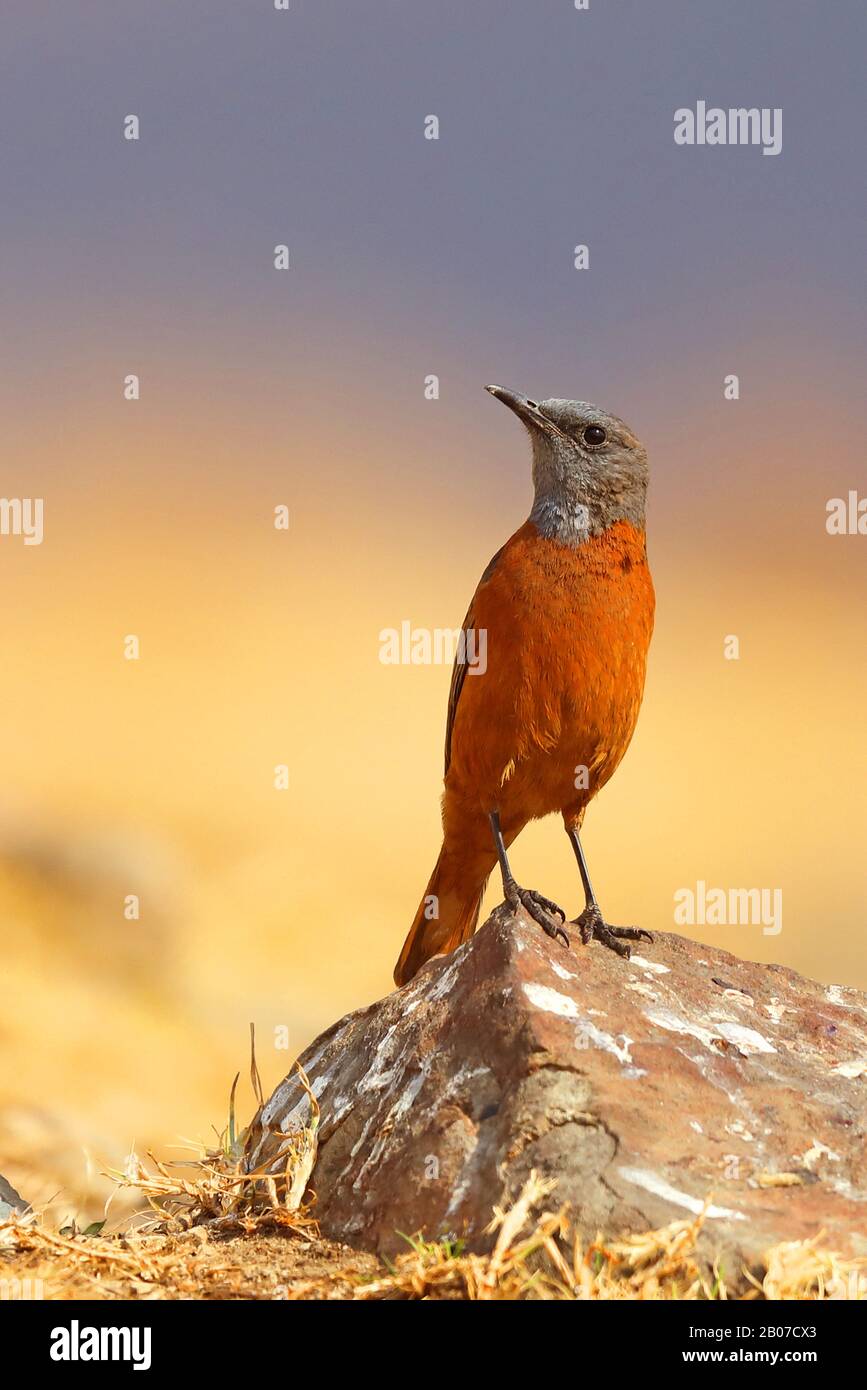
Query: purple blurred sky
x=412 y=256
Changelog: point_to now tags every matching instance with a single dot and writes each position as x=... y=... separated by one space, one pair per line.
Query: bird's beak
x=525 y=409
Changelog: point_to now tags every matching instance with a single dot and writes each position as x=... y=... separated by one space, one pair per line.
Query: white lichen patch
x=381 y=1072
x=550 y=1001
x=775 y=1010
x=289 y=1085
x=619 y=1047
x=846 y=996
x=299 y=1114
x=340 y=1107
x=740 y=1131
x=652 y=965
x=845 y=1189
x=857 y=1067
x=670 y=1022
x=718 y=1015
x=386 y=1127
x=461 y=1078
x=815 y=1154
x=639 y=987
x=407 y=1096
x=655 y=1183
x=706 y=1062
x=747 y=1039
x=737 y=996
x=457 y=1197
x=445 y=982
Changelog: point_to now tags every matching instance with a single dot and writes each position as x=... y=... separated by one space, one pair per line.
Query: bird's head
x=589 y=470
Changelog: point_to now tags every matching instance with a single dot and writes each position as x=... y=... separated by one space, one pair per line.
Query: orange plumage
x=568 y=624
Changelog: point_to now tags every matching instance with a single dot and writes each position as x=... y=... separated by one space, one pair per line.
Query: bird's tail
x=446 y=916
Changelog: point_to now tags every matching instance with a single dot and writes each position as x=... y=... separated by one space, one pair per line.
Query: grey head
x=589 y=470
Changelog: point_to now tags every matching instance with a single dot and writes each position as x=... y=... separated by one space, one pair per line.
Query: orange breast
x=567 y=636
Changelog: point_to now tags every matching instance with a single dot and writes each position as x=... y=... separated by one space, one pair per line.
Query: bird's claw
x=542 y=910
x=593 y=928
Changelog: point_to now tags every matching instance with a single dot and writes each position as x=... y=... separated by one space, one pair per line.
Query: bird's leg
x=542 y=910
x=591 y=923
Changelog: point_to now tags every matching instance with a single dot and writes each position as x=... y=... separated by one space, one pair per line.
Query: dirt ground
x=195 y=1265
x=215 y=1231
x=270 y=1263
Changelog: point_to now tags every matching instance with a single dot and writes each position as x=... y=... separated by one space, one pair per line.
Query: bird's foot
x=541 y=909
x=592 y=928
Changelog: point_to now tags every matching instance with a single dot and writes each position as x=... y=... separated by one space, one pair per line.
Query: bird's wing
x=459 y=670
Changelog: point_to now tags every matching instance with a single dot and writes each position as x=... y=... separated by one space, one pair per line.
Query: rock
x=11 y=1202
x=644 y=1086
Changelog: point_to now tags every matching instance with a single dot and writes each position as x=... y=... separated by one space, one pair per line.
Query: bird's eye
x=594 y=435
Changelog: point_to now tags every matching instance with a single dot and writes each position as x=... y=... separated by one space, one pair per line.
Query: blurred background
x=305 y=388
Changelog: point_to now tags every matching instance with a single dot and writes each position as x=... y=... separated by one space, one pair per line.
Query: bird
x=566 y=610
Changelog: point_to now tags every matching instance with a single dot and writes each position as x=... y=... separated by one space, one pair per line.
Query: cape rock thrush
x=567 y=605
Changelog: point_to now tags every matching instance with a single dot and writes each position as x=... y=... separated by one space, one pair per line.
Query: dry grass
x=544 y=1259
x=214 y=1229
x=802 y=1269
x=251 y=1245
x=201 y=1198
x=218 y=1187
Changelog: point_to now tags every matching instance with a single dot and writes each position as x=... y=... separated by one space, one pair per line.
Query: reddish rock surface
x=643 y=1086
